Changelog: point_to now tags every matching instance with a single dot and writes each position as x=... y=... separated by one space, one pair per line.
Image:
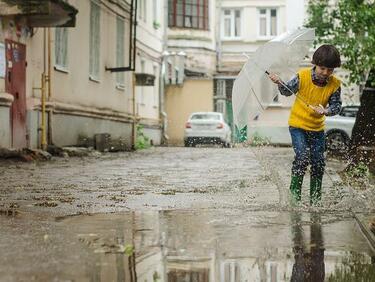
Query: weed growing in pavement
x=358 y=176
x=142 y=142
x=360 y=170
x=258 y=140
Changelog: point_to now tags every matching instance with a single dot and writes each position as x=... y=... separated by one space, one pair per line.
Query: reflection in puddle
x=308 y=255
x=179 y=246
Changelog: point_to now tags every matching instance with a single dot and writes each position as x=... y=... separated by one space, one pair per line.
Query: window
x=206 y=116
x=231 y=272
x=220 y=106
x=267 y=22
x=143 y=70
x=61 y=48
x=120 y=46
x=188 y=13
x=220 y=92
x=142 y=10
x=231 y=25
x=156 y=92
x=94 y=41
x=154 y=11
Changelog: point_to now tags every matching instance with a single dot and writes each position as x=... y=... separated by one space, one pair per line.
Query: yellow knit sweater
x=301 y=116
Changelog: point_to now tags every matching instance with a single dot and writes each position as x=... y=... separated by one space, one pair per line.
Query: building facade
x=246 y=25
x=98 y=81
x=190 y=62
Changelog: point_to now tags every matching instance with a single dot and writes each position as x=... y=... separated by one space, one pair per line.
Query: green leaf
x=129 y=250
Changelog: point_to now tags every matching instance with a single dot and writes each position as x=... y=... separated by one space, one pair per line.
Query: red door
x=16 y=85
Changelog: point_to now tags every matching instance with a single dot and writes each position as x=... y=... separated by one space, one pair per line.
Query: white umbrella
x=253 y=91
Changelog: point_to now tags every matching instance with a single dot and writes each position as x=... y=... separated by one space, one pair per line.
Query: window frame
x=155 y=69
x=268 y=18
x=200 y=5
x=155 y=11
x=94 y=43
x=143 y=66
x=61 y=44
x=232 y=18
x=142 y=10
x=120 y=51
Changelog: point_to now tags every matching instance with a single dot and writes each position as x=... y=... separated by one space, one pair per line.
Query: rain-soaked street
x=180 y=214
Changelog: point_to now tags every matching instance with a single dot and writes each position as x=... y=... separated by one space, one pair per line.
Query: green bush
x=358 y=171
x=142 y=141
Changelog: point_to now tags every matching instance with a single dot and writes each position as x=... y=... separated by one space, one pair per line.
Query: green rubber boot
x=296 y=187
x=315 y=190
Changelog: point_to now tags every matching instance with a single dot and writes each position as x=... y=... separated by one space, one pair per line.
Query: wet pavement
x=180 y=214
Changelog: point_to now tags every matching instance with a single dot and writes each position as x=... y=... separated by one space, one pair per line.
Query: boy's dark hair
x=326 y=56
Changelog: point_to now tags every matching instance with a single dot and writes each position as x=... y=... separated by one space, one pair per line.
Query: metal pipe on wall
x=49 y=79
x=43 y=102
x=43 y=96
x=134 y=125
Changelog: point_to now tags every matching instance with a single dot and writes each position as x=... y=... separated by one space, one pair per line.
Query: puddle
x=179 y=246
x=234 y=246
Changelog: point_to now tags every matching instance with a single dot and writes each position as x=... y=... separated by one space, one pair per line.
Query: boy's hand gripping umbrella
x=253 y=91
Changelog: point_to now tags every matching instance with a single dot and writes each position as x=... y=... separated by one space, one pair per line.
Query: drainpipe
x=218 y=37
x=43 y=97
x=43 y=102
x=134 y=127
x=134 y=124
x=49 y=79
x=163 y=114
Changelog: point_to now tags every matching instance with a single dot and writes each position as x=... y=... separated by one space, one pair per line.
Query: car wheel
x=189 y=142
x=227 y=145
x=337 y=142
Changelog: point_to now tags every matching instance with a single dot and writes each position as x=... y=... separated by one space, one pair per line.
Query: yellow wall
x=180 y=102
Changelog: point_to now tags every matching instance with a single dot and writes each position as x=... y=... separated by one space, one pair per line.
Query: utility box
x=102 y=142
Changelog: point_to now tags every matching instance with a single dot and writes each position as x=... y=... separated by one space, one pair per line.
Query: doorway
x=15 y=84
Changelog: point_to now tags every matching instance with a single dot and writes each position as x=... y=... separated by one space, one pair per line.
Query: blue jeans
x=309 y=148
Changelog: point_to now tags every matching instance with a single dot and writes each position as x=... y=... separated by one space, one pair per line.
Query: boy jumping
x=318 y=93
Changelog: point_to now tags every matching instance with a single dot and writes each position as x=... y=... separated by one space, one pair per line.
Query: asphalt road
x=168 y=214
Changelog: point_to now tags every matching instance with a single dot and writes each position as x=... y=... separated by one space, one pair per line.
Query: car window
x=349 y=111
x=206 y=116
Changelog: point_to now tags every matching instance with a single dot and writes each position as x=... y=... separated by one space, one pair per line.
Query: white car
x=339 y=128
x=207 y=128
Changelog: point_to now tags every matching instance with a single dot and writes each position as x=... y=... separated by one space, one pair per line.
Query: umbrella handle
x=283 y=84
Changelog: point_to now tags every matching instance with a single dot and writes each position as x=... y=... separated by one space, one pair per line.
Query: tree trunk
x=362 y=145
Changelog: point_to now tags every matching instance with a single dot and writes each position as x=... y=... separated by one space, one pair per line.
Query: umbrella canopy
x=253 y=91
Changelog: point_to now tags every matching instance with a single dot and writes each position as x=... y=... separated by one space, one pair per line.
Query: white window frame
x=142 y=10
x=155 y=6
x=232 y=18
x=94 y=68
x=220 y=88
x=234 y=271
x=268 y=22
x=61 y=49
x=120 y=51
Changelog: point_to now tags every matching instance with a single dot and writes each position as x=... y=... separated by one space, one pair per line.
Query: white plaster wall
x=199 y=45
x=74 y=89
x=74 y=86
x=232 y=58
x=149 y=49
x=5 y=131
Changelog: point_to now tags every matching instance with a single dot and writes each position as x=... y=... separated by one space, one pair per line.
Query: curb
x=370 y=237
